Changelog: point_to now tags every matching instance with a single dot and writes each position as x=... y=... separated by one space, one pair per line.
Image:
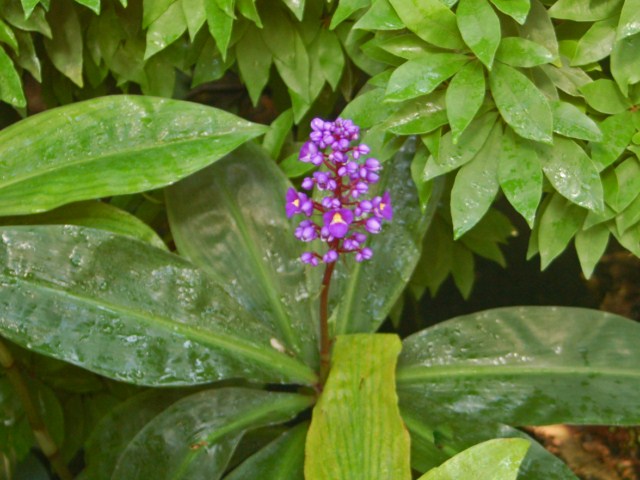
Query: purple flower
x=338 y=221
x=364 y=254
x=373 y=225
x=298 y=202
x=382 y=206
x=306 y=231
x=310 y=153
x=330 y=257
x=309 y=258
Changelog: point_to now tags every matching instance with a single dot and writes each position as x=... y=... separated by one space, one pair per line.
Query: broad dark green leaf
x=464 y=98
x=356 y=430
x=520 y=52
x=596 y=43
x=367 y=291
x=419 y=115
x=559 y=222
x=524 y=366
x=463 y=269
x=604 y=96
x=381 y=16
x=521 y=104
x=572 y=173
x=422 y=75
x=538 y=28
x=617 y=131
x=296 y=71
x=10 y=84
x=520 y=175
x=431 y=20
x=166 y=29
x=516 y=9
x=345 y=9
x=110 y=146
x=129 y=311
x=585 y=11
x=629 y=23
x=195 y=437
x=35 y=22
x=498 y=458
x=480 y=28
x=229 y=219
x=254 y=62
x=220 y=26
x=590 y=246
x=476 y=185
x=65 y=46
x=282 y=459
x=624 y=62
x=569 y=121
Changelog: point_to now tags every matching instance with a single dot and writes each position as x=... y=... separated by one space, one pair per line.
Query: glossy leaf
x=282 y=459
x=296 y=6
x=422 y=75
x=591 y=245
x=10 y=84
x=152 y=9
x=559 y=222
x=629 y=23
x=572 y=173
x=229 y=219
x=220 y=25
x=580 y=11
x=357 y=414
x=604 y=96
x=569 y=80
x=476 y=185
x=498 y=458
x=520 y=52
x=110 y=146
x=617 y=131
x=569 y=121
x=419 y=115
x=596 y=43
x=480 y=28
x=624 y=58
x=367 y=291
x=521 y=104
x=538 y=27
x=524 y=366
x=65 y=47
x=8 y=37
x=129 y=311
x=516 y=9
x=520 y=175
x=464 y=98
x=166 y=29
x=195 y=15
x=369 y=108
x=196 y=436
x=380 y=16
x=431 y=20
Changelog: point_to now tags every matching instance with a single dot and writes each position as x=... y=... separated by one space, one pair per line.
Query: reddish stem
x=325 y=339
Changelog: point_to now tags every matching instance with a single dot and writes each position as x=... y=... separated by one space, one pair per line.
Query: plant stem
x=325 y=339
x=40 y=432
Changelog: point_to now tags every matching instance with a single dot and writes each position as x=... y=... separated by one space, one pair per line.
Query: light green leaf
x=524 y=366
x=591 y=245
x=220 y=26
x=585 y=11
x=345 y=9
x=10 y=84
x=35 y=22
x=425 y=188
x=624 y=62
x=248 y=10
x=559 y=222
x=431 y=20
x=406 y=45
x=194 y=14
x=629 y=23
x=617 y=131
x=628 y=176
x=520 y=52
x=419 y=115
x=629 y=217
x=28 y=6
x=8 y=37
x=569 y=121
x=569 y=80
x=292 y=167
x=368 y=108
x=520 y=175
x=380 y=16
x=110 y=146
x=521 y=104
x=196 y=436
x=539 y=29
x=516 y=9
x=65 y=47
x=28 y=58
x=93 y=5
x=494 y=459
x=227 y=6
x=604 y=96
x=464 y=98
x=295 y=70
x=357 y=414
x=596 y=43
x=279 y=129
x=254 y=62
x=422 y=75
x=327 y=50
x=152 y=9
x=296 y=6
x=166 y=29
x=154 y=318
x=476 y=185
x=480 y=28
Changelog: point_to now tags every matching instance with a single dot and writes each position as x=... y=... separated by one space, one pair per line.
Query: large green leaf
x=524 y=366
x=10 y=84
x=517 y=9
x=365 y=292
x=464 y=98
x=617 y=131
x=596 y=43
x=584 y=11
x=480 y=28
x=119 y=307
x=624 y=62
x=418 y=115
x=65 y=47
x=195 y=437
x=569 y=121
x=629 y=19
x=110 y=146
x=229 y=219
x=538 y=27
x=520 y=52
x=356 y=431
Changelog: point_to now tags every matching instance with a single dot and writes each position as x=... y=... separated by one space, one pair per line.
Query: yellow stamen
x=296 y=202
x=382 y=206
x=337 y=218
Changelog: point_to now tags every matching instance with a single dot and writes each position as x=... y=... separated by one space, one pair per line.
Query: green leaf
x=35 y=22
x=368 y=290
x=162 y=322
x=520 y=52
x=327 y=50
x=220 y=26
x=559 y=222
x=419 y=115
x=494 y=459
x=65 y=47
x=569 y=80
x=422 y=75
x=345 y=9
x=166 y=29
x=248 y=10
x=521 y=104
x=425 y=188
x=380 y=16
x=292 y=167
x=520 y=175
x=465 y=95
x=476 y=185
x=369 y=108
x=357 y=414
x=8 y=37
x=585 y=11
x=539 y=29
x=628 y=176
x=617 y=131
x=624 y=62
x=110 y=146
x=462 y=269
x=431 y=20
x=279 y=129
x=604 y=96
x=296 y=6
x=196 y=436
x=295 y=70
x=10 y=84
x=92 y=214
x=629 y=23
x=93 y=5
x=152 y=9
x=254 y=62
x=480 y=28
x=569 y=121
x=524 y=366
x=28 y=6
x=591 y=245
x=229 y=219
x=596 y=43
x=516 y=9
x=195 y=14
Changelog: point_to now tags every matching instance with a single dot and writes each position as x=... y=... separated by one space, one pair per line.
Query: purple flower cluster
x=344 y=215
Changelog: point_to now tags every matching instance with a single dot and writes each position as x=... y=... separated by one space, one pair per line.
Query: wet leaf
x=195 y=15
x=538 y=28
x=431 y=20
x=569 y=80
x=345 y=9
x=65 y=46
x=617 y=131
x=604 y=96
x=629 y=23
x=166 y=29
x=521 y=104
x=580 y=11
x=8 y=37
x=368 y=108
x=464 y=98
x=220 y=26
x=559 y=222
x=628 y=176
x=419 y=115
x=516 y=9
x=380 y=16
x=624 y=66
x=357 y=414
x=129 y=311
x=596 y=43
x=254 y=62
x=480 y=28
x=524 y=366
x=569 y=121
x=520 y=52
x=591 y=245
x=10 y=84
x=110 y=146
